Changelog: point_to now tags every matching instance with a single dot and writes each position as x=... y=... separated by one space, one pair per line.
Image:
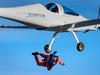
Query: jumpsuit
x=45 y=61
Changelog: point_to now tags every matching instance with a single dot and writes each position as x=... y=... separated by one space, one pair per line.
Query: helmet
x=55 y=53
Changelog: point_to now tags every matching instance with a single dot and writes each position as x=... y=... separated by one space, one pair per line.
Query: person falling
x=49 y=61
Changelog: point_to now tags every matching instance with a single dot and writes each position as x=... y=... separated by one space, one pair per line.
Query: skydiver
x=49 y=61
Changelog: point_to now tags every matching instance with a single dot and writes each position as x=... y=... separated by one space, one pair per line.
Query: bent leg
x=38 y=61
x=43 y=55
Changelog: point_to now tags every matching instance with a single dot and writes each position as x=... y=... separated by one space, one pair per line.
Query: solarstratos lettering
x=35 y=15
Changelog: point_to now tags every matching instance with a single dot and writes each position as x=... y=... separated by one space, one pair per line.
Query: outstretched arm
x=60 y=62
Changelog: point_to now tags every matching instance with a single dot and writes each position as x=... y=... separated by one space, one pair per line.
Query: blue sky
x=16 y=45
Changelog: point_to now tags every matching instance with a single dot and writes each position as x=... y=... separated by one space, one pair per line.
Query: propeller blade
x=99 y=17
x=99 y=13
x=96 y=26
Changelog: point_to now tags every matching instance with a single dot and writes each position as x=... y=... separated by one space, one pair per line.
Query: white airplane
x=52 y=17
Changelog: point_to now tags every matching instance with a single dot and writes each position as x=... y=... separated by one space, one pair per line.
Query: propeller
x=98 y=21
x=99 y=13
x=99 y=17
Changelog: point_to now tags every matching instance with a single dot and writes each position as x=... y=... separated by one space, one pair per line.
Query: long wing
x=37 y=14
x=34 y=14
x=18 y=27
x=38 y=17
x=27 y=25
x=78 y=26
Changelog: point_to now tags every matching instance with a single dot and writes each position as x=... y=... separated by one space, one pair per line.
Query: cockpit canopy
x=54 y=7
x=69 y=11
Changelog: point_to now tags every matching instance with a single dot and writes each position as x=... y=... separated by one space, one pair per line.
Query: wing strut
x=47 y=47
x=80 y=45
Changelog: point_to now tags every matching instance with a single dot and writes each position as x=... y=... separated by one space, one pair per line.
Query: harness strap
x=50 y=61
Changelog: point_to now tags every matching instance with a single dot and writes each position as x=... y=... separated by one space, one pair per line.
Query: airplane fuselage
x=37 y=14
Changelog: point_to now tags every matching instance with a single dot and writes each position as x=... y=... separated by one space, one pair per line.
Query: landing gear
x=80 y=45
x=47 y=47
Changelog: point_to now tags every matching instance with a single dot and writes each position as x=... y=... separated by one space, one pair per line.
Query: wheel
x=47 y=49
x=80 y=47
